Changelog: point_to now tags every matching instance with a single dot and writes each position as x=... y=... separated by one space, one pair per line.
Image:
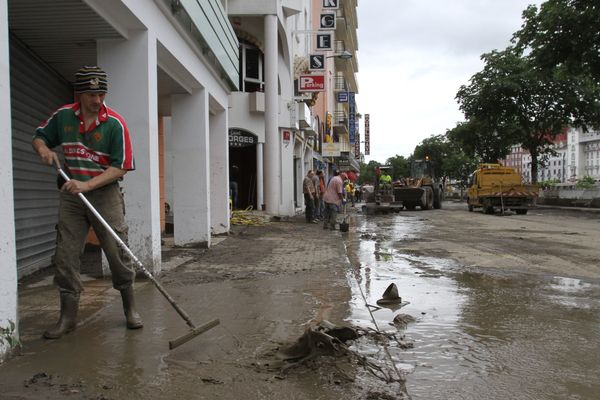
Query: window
x=251 y=68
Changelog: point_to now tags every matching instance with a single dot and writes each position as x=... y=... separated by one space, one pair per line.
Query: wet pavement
x=468 y=331
x=479 y=333
x=266 y=285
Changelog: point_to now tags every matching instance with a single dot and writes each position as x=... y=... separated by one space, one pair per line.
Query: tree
x=436 y=148
x=481 y=142
x=367 y=172
x=563 y=34
x=563 y=41
x=458 y=165
x=400 y=166
x=513 y=96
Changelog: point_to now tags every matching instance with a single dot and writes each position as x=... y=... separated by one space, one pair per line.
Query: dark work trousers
x=318 y=211
x=331 y=212
x=310 y=207
x=74 y=220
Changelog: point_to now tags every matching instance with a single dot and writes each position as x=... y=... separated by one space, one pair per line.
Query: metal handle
x=137 y=262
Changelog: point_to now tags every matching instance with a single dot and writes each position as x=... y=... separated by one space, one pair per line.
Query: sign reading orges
x=311 y=83
x=241 y=138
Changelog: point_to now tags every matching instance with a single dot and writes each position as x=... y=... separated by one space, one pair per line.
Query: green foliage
x=587 y=182
x=367 y=172
x=400 y=166
x=518 y=100
x=449 y=159
x=558 y=35
x=550 y=183
x=434 y=147
x=480 y=141
x=565 y=50
x=7 y=335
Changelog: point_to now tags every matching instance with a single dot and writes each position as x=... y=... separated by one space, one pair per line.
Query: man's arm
x=47 y=156
x=110 y=175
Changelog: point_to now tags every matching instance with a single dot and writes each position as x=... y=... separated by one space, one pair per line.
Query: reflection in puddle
x=476 y=336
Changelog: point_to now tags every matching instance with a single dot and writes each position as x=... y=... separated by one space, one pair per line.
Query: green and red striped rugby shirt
x=88 y=153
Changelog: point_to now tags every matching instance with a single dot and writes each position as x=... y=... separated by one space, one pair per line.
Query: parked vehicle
x=421 y=188
x=494 y=186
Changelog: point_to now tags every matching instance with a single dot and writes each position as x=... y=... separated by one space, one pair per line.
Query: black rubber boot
x=134 y=321
x=69 y=304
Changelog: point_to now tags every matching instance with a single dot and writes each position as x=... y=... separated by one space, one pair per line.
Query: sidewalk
x=264 y=283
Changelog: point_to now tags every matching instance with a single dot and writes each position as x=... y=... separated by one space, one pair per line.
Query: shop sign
x=324 y=41
x=287 y=136
x=316 y=62
x=331 y=149
x=311 y=83
x=327 y=20
x=367 y=135
x=240 y=138
x=331 y=4
x=342 y=97
x=351 y=117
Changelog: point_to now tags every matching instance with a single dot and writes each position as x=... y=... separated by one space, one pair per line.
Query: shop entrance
x=242 y=167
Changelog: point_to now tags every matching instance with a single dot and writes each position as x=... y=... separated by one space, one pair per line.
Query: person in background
x=308 y=188
x=350 y=192
x=322 y=188
x=318 y=194
x=233 y=185
x=333 y=199
x=385 y=180
x=98 y=153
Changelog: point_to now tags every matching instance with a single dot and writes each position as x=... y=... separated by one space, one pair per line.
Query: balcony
x=339 y=84
x=208 y=24
x=306 y=122
x=340 y=122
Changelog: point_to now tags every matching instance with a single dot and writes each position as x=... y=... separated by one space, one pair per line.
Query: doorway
x=242 y=167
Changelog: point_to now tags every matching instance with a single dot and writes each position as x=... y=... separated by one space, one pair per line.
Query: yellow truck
x=493 y=186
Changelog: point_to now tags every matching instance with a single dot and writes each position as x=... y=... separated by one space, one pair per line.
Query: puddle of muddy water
x=476 y=336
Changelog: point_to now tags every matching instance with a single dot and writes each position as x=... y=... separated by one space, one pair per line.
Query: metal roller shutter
x=36 y=92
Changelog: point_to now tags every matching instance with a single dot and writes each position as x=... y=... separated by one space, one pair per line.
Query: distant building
x=583 y=155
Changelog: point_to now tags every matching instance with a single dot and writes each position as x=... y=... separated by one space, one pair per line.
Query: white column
x=272 y=149
x=219 y=173
x=259 y=176
x=132 y=92
x=8 y=271
x=191 y=168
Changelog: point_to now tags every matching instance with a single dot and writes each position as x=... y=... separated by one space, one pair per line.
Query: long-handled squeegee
x=194 y=330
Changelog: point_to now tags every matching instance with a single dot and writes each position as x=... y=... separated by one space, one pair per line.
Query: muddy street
x=503 y=306
x=490 y=307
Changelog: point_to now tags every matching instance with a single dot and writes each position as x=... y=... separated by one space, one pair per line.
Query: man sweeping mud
x=98 y=153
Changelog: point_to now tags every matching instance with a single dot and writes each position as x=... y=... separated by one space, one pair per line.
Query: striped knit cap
x=91 y=80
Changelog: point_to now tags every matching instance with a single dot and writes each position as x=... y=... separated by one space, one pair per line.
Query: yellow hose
x=244 y=217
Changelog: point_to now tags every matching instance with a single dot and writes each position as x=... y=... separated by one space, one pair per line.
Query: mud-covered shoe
x=134 y=321
x=67 y=322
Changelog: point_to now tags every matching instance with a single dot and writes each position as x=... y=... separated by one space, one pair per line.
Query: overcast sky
x=413 y=56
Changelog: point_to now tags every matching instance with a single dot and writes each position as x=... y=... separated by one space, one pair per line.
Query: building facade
x=337 y=108
x=583 y=155
x=170 y=75
x=209 y=90
x=576 y=155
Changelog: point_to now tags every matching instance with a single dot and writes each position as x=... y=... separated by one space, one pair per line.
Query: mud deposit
x=506 y=330
x=267 y=285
